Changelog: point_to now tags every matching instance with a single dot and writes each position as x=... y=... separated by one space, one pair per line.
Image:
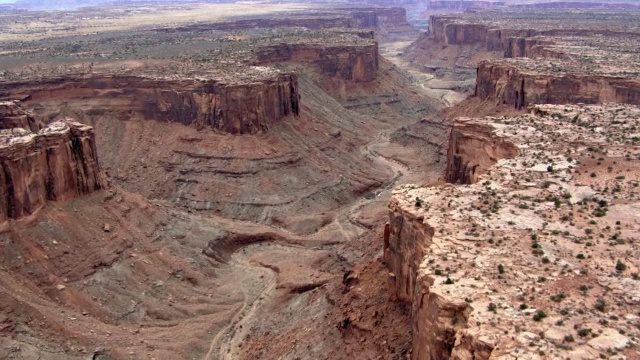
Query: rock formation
x=507 y=83
x=473 y=148
x=236 y=108
x=453 y=30
x=582 y=61
x=57 y=163
x=351 y=63
x=483 y=265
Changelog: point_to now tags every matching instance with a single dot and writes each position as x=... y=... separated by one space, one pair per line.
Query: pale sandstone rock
x=445 y=253
x=609 y=339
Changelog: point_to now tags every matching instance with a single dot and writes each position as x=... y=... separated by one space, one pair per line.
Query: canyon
x=182 y=181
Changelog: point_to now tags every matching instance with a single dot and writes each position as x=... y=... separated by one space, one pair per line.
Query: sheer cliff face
x=232 y=108
x=57 y=163
x=460 y=254
x=473 y=149
x=439 y=319
x=506 y=84
x=350 y=63
x=405 y=242
x=449 y=30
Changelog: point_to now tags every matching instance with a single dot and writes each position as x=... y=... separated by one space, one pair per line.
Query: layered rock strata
x=455 y=30
x=236 y=108
x=532 y=260
x=57 y=163
x=518 y=84
x=351 y=63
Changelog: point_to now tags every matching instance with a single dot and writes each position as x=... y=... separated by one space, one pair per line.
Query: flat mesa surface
x=584 y=56
x=48 y=24
x=543 y=20
x=215 y=54
x=597 y=55
x=543 y=247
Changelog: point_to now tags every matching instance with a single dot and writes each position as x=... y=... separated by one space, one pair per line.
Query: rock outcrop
x=439 y=320
x=515 y=264
x=453 y=30
x=236 y=108
x=351 y=63
x=505 y=83
x=473 y=149
x=14 y=116
x=59 y=162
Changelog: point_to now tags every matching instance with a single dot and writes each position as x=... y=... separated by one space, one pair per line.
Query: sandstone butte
x=529 y=251
x=58 y=162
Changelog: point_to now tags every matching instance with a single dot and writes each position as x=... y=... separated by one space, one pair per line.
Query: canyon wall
x=448 y=30
x=439 y=317
x=392 y=16
x=57 y=163
x=506 y=84
x=245 y=108
x=473 y=149
x=351 y=63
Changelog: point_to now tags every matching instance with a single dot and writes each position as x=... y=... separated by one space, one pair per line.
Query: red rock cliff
x=244 y=108
x=351 y=63
x=506 y=84
x=472 y=150
x=439 y=319
x=57 y=163
x=450 y=30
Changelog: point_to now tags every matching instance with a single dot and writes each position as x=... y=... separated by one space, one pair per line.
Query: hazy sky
x=7 y=1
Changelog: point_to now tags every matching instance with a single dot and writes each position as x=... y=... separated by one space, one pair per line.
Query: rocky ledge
x=522 y=82
x=357 y=63
x=498 y=30
x=243 y=107
x=57 y=163
x=539 y=257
